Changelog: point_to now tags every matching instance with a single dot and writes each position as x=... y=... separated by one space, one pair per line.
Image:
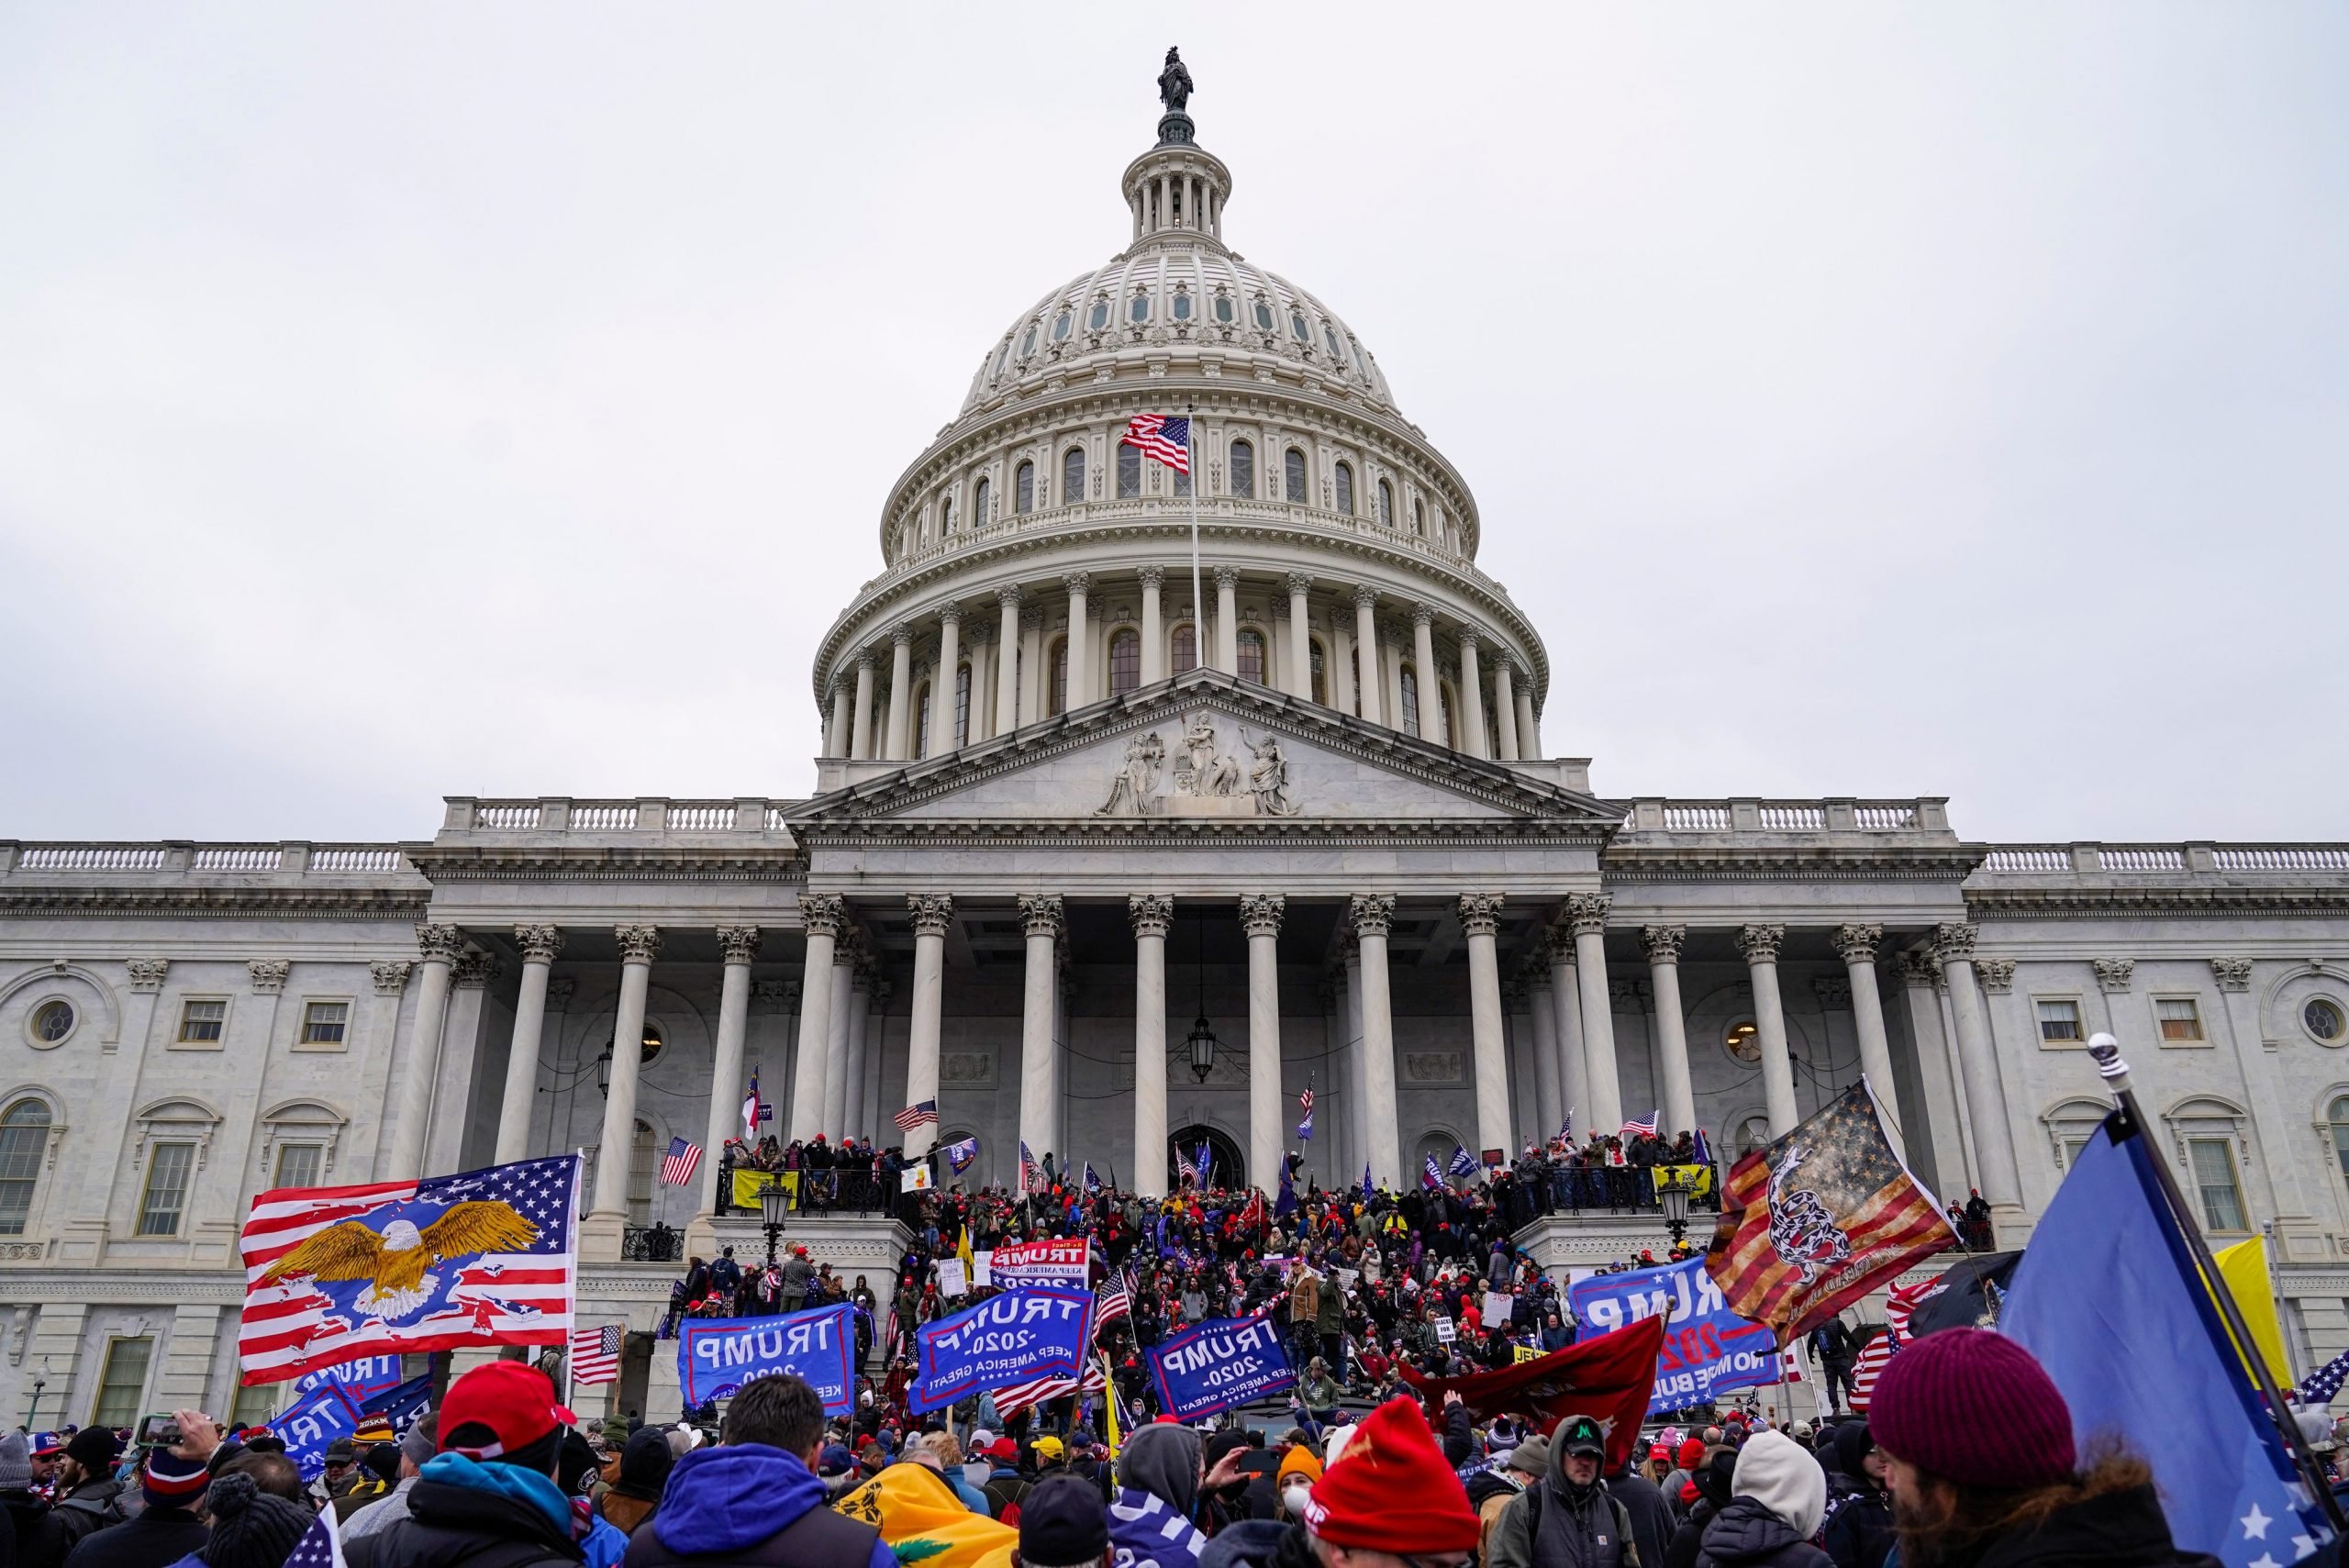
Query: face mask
x=1293 y=1499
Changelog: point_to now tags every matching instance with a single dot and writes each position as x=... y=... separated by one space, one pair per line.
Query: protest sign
x=1228 y=1361
x=1066 y=1263
x=980 y=1274
x=1528 y=1354
x=1499 y=1307
x=1444 y=1330
x=1707 y=1349
x=717 y=1355
x=1017 y=1336
x=951 y=1280
x=315 y=1420
x=918 y=1178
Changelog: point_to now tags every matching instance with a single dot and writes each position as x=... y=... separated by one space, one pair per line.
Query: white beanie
x=1775 y=1471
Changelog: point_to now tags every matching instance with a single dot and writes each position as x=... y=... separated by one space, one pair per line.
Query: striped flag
x=1112 y=1300
x=1009 y=1402
x=1031 y=1173
x=1880 y=1350
x=924 y=1113
x=1637 y=1129
x=677 y=1165
x=1305 y=1104
x=1566 y=1127
x=1813 y=1223
x=1433 y=1175
x=1167 y=439
x=485 y=1257
x=754 y=1111
x=596 y=1355
x=2324 y=1383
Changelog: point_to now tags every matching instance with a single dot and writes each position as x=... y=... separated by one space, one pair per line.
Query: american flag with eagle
x=485 y=1257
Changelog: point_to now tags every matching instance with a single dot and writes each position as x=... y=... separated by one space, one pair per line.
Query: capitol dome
x=1034 y=563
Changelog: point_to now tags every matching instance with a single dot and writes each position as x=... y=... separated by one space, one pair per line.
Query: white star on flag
x=2255 y=1524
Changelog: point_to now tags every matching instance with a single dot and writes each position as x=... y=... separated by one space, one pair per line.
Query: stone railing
x=647 y=814
x=289 y=858
x=1653 y=814
x=2193 y=858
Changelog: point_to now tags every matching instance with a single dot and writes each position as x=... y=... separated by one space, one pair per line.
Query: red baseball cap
x=513 y=1400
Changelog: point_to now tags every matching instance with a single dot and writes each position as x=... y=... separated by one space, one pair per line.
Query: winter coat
x=1542 y=1528
x=1858 y=1532
x=1650 y=1514
x=1748 y=1535
x=1686 y=1539
x=2124 y=1528
x=748 y=1503
x=80 y=1514
x=156 y=1539
x=463 y=1514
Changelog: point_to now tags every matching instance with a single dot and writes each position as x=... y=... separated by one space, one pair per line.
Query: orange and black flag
x=1818 y=1219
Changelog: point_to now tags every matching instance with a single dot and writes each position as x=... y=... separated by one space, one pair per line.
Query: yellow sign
x=747 y=1185
x=1699 y=1178
x=1528 y=1354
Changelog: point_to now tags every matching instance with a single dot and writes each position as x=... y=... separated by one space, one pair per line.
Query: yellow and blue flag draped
x=2108 y=1298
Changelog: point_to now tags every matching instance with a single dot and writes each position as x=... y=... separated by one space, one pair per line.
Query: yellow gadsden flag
x=2243 y=1267
x=747 y=1184
x=923 y=1521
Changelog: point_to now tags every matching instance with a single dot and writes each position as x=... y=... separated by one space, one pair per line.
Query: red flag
x=1818 y=1219
x=1608 y=1379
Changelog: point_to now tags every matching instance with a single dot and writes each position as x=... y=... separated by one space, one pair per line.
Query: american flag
x=1874 y=1355
x=1462 y=1162
x=922 y=1115
x=1168 y=441
x=1009 y=1402
x=1031 y=1174
x=500 y=1266
x=1566 y=1127
x=677 y=1165
x=596 y=1355
x=2324 y=1383
x=1112 y=1300
x=1305 y=1104
x=322 y=1544
x=754 y=1111
x=1634 y=1127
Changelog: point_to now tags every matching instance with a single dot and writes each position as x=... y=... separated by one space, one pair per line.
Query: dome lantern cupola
x=1175 y=189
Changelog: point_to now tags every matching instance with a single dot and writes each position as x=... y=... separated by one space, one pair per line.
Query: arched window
x=1072 y=476
x=1023 y=488
x=1129 y=473
x=1346 y=489
x=979 y=497
x=1492 y=727
x=1125 y=661
x=1223 y=311
x=1410 y=700
x=1418 y=518
x=1328 y=336
x=2338 y=1116
x=1243 y=470
x=1060 y=327
x=1443 y=733
x=945 y=516
x=1293 y=475
x=1295 y=324
x=1186 y=648
x=1003 y=356
x=1753 y=1133
x=1056 y=700
x=24 y=1140
x=1320 y=674
x=1252 y=656
x=1182 y=305
x=921 y=719
x=962 y=705
x=1182 y=482
x=1385 y=505
x=1100 y=315
x=1028 y=342
x=640 y=1166
x=1263 y=316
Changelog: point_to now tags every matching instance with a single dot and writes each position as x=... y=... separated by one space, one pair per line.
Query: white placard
x=950 y=1277
x=918 y=1179
x=980 y=1273
x=1444 y=1330
x=1499 y=1305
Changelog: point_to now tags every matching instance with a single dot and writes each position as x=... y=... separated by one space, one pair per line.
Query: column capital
x=1076 y=582
x=1468 y=638
x=1373 y=913
x=390 y=975
x=1422 y=613
x=439 y=944
x=1586 y=912
x=1366 y=597
x=1042 y=913
x=1857 y=944
x=1153 y=577
x=1152 y=914
x=739 y=944
x=1919 y=967
x=1260 y=913
x=1226 y=577
x=881 y=990
x=1010 y=594
x=1480 y=914
x=269 y=974
x=950 y=614
x=1557 y=946
x=1300 y=582
x=2231 y=973
x=779 y=994
x=147 y=973
x=1996 y=974
x=1954 y=942
x=1760 y=943
x=2114 y=974
x=863 y=660
x=931 y=912
x=475 y=968
x=822 y=914
x=639 y=944
x=1663 y=942
x=1032 y=618
x=539 y=944
x=902 y=634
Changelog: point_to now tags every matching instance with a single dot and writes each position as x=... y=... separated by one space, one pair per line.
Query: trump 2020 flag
x=483 y=1258
x=2108 y=1298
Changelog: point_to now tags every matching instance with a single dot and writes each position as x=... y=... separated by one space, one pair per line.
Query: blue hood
x=722 y=1500
x=506 y=1481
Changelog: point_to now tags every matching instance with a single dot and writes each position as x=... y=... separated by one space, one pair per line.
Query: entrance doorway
x=1224 y=1167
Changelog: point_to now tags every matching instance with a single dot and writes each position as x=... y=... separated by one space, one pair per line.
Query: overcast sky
x=407 y=400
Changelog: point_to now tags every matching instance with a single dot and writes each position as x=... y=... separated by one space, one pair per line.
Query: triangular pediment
x=1206 y=750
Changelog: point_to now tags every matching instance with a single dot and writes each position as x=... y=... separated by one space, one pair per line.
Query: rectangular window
x=2213 y=1161
x=1129 y=473
x=1320 y=677
x=2181 y=1019
x=2073 y=1145
x=297 y=1165
x=1243 y=470
x=24 y=1140
x=1251 y=657
x=200 y=1021
x=1058 y=701
x=168 y=1168
x=323 y=1022
x=122 y=1381
x=1186 y=649
x=962 y=705
x=2059 y=1021
x=255 y=1405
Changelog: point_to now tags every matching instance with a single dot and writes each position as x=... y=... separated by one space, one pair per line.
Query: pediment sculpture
x=1203 y=781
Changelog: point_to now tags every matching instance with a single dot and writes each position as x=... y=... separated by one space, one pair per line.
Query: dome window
x=1346 y=489
x=1328 y=336
x=1023 y=488
x=1003 y=356
x=1223 y=311
x=1100 y=316
x=1297 y=325
x=1263 y=317
x=1129 y=473
x=1249 y=646
x=1385 y=505
x=1028 y=342
x=1243 y=469
x=946 y=515
x=1072 y=476
x=979 y=503
x=1125 y=663
x=1139 y=309
x=1060 y=327
x=1418 y=518
x=1182 y=306
x=1293 y=473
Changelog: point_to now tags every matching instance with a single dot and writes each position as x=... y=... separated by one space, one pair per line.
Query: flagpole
x=2115 y=1073
x=1198 y=604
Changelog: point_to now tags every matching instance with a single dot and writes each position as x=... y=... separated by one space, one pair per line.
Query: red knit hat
x=1393 y=1456
x=1973 y=1407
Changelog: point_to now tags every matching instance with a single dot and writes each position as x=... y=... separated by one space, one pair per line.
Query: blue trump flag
x=1707 y=1349
x=717 y=1355
x=1228 y=1361
x=2108 y=1298
x=315 y=1420
x=1017 y=1336
x=401 y=1403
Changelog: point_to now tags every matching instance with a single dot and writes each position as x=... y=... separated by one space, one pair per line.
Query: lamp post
x=1674 y=1194
x=775 y=1202
x=40 y=1380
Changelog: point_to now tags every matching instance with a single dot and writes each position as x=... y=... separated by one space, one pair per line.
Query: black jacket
x=458 y=1526
x=1651 y=1516
x=82 y=1512
x=2120 y=1530
x=1690 y=1537
x=1747 y=1535
x=1858 y=1532
x=156 y=1539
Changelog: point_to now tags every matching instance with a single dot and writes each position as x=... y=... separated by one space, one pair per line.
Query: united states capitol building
x=1103 y=854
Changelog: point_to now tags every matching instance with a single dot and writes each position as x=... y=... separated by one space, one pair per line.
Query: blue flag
x=1462 y=1162
x=959 y=1155
x=2108 y=1298
x=1286 y=1201
x=1018 y=1337
x=401 y=1403
x=1228 y=1361
x=324 y=1414
x=718 y=1355
x=1203 y=1160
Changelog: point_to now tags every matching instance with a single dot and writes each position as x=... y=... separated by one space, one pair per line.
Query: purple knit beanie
x=1973 y=1407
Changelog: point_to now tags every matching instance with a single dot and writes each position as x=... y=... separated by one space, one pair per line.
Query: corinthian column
x=1080 y=645
x=1366 y=650
x=931 y=911
x=1472 y=698
x=1566 y=1002
x=942 y=686
x=822 y=914
x=901 y=691
x=1480 y=917
x=1431 y=683
x=1372 y=915
x=1759 y=946
x=1151 y=916
x=737 y=945
x=1671 y=1026
x=1153 y=638
x=438 y=947
x=1300 y=637
x=1587 y=913
x=1994 y=1144
x=1007 y=662
x=639 y=946
x=1857 y=945
x=1260 y=914
x=1505 y=706
x=1042 y=917
x=860 y=744
x=539 y=944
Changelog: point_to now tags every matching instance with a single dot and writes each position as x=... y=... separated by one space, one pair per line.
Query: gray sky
x=409 y=400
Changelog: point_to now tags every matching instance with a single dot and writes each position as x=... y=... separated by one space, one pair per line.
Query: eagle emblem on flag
x=397 y=1262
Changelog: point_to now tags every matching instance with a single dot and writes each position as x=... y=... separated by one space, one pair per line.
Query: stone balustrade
x=170 y=857
x=2191 y=859
x=1653 y=814
x=470 y=815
